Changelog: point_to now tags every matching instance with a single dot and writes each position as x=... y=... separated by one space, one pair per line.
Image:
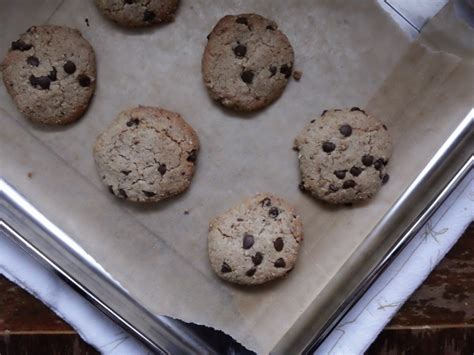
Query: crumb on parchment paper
x=297 y=74
x=30 y=174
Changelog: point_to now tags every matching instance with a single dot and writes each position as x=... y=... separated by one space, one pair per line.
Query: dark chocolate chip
x=87 y=22
x=240 y=50
x=270 y=27
x=340 y=174
x=69 y=67
x=385 y=179
x=225 y=268
x=122 y=193
x=240 y=219
x=133 y=121
x=53 y=74
x=278 y=244
x=323 y=113
x=328 y=147
x=20 y=46
x=251 y=272
x=84 y=80
x=274 y=212
x=257 y=258
x=273 y=71
x=345 y=130
x=384 y=127
x=162 y=169
x=43 y=82
x=301 y=187
x=32 y=60
x=280 y=263
x=148 y=16
x=111 y=190
x=242 y=20
x=192 y=156
x=357 y=109
x=125 y=172
x=333 y=188
x=367 y=160
x=348 y=184
x=286 y=70
x=355 y=171
x=148 y=193
x=266 y=202
x=378 y=165
x=248 y=241
x=312 y=121
x=247 y=76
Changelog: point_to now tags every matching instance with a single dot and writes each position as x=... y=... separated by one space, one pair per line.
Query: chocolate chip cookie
x=138 y=13
x=147 y=154
x=50 y=73
x=247 y=62
x=255 y=241
x=343 y=156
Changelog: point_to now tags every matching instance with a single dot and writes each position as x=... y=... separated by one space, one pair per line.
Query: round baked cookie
x=343 y=156
x=138 y=13
x=50 y=73
x=255 y=241
x=247 y=62
x=147 y=154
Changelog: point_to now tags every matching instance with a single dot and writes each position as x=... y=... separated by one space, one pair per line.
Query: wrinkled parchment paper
x=347 y=50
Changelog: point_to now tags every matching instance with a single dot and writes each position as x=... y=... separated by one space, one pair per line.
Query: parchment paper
x=347 y=51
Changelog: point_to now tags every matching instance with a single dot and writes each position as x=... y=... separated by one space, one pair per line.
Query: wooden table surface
x=437 y=319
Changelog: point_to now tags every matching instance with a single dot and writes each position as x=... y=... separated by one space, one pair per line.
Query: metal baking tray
x=29 y=228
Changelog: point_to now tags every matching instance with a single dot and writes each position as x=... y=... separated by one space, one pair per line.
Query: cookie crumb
x=186 y=212
x=30 y=174
x=297 y=74
x=87 y=21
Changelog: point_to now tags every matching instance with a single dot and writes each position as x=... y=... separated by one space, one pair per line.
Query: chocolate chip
x=278 y=244
x=270 y=27
x=286 y=70
x=323 y=113
x=378 y=165
x=242 y=20
x=84 y=80
x=43 y=82
x=128 y=2
x=32 y=60
x=274 y=212
x=111 y=190
x=301 y=187
x=248 y=241
x=162 y=169
x=340 y=174
x=69 y=67
x=312 y=121
x=280 y=263
x=148 y=16
x=251 y=272
x=122 y=193
x=328 y=147
x=53 y=74
x=348 y=184
x=273 y=70
x=240 y=50
x=355 y=171
x=125 y=172
x=367 y=160
x=266 y=202
x=384 y=127
x=357 y=109
x=192 y=156
x=240 y=219
x=133 y=121
x=385 y=179
x=247 y=76
x=20 y=46
x=87 y=22
x=333 y=188
x=257 y=258
x=345 y=130
x=148 y=193
x=225 y=268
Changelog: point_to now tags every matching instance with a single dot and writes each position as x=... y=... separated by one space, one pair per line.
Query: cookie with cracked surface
x=138 y=13
x=255 y=241
x=147 y=154
x=247 y=62
x=343 y=156
x=50 y=73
